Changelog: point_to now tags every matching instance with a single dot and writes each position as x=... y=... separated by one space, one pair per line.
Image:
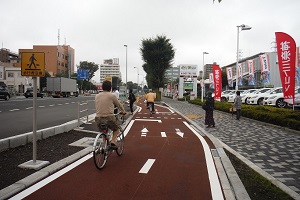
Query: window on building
x=10 y=74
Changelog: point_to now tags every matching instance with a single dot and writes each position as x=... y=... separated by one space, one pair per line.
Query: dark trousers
x=131 y=106
x=238 y=114
x=151 y=104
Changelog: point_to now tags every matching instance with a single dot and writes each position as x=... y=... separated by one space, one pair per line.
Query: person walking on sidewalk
x=105 y=103
x=238 y=104
x=131 y=99
x=209 y=111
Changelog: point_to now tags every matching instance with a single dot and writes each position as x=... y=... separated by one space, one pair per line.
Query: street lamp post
x=125 y=45
x=243 y=28
x=203 y=85
x=137 y=79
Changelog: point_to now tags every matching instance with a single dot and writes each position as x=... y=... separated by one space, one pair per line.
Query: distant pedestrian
x=238 y=104
x=131 y=99
x=209 y=110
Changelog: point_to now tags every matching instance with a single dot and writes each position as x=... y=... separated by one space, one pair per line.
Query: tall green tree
x=90 y=66
x=158 y=54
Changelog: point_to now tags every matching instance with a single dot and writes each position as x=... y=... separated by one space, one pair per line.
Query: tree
x=158 y=54
x=43 y=81
x=90 y=66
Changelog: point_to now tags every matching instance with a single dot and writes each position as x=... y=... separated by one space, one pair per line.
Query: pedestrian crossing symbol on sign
x=33 y=64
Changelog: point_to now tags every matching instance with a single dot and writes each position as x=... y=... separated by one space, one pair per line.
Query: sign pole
x=34 y=121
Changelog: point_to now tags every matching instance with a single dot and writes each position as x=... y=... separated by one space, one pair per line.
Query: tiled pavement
x=274 y=149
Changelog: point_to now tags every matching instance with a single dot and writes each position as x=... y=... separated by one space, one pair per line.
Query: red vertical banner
x=286 y=51
x=217 y=73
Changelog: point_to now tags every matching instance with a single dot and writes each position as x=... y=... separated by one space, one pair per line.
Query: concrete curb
x=18 y=140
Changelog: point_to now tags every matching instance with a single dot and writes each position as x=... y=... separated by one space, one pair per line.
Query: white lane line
x=163 y=134
x=59 y=104
x=147 y=166
x=28 y=108
x=150 y=120
x=66 y=103
x=14 y=110
x=41 y=106
x=215 y=185
x=47 y=180
x=51 y=105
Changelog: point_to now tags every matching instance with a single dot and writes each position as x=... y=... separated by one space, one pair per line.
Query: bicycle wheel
x=120 y=143
x=99 y=151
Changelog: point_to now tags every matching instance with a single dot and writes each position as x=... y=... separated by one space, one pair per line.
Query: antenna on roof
x=58 y=37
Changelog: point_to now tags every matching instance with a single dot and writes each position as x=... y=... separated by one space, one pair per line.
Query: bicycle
x=150 y=108
x=102 y=146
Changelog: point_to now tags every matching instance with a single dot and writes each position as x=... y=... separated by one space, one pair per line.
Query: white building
x=16 y=83
x=110 y=68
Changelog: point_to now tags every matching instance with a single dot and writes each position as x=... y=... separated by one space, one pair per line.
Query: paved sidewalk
x=272 y=150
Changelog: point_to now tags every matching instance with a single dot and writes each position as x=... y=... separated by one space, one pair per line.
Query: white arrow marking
x=145 y=130
x=147 y=166
x=178 y=132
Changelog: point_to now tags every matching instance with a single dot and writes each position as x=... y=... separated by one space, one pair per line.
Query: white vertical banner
x=240 y=74
x=211 y=81
x=264 y=63
x=229 y=76
x=265 y=69
x=251 y=79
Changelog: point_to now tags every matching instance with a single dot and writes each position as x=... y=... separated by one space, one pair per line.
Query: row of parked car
x=263 y=96
x=4 y=94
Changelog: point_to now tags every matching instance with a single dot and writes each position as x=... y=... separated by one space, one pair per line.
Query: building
x=110 y=68
x=8 y=58
x=59 y=59
x=260 y=79
x=172 y=74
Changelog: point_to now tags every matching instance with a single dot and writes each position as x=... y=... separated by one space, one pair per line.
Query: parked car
x=29 y=93
x=275 y=98
x=232 y=96
x=297 y=98
x=258 y=97
x=4 y=94
x=247 y=94
x=225 y=94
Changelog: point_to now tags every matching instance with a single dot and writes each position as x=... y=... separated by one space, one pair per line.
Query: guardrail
x=79 y=110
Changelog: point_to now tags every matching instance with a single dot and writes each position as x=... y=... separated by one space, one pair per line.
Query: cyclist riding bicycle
x=150 y=97
x=105 y=103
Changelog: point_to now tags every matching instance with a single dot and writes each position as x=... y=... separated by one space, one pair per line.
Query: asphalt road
x=16 y=115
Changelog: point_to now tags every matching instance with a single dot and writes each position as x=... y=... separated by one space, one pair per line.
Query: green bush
x=278 y=116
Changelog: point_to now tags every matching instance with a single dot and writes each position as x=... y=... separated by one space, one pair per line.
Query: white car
x=297 y=97
x=275 y=98
x=258 y=97
x=225 y=94
x=232 y=96
x=246 y=94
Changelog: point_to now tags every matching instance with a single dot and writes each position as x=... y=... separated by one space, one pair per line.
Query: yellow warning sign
x=33 y=64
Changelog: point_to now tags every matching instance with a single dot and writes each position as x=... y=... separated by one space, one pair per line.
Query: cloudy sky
x=98 y=29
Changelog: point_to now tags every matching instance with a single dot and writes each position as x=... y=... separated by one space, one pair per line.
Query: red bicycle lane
x=163 y=159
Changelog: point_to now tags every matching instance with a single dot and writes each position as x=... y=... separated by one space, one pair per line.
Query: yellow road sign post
x=33 y=64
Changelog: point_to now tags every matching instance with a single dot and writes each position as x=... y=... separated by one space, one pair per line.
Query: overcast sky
x=98 y=29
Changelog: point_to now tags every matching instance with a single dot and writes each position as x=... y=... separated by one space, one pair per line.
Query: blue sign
x=82 y=74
